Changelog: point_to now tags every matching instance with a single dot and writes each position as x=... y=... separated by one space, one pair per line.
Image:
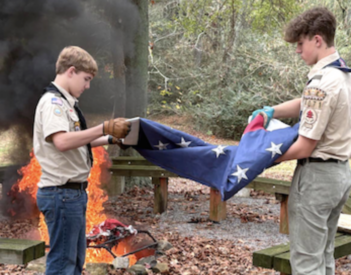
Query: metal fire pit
x=111 y=232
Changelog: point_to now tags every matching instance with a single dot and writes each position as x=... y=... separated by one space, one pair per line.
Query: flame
x=96 y=197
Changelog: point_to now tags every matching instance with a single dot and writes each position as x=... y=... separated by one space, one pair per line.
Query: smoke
x=32 y=34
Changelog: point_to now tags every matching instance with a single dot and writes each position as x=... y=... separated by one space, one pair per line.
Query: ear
x=70 y=71
x=319 y=40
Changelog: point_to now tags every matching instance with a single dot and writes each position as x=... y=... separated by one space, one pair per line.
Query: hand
x=118 y=141
x=118 y=127
x=267 y=113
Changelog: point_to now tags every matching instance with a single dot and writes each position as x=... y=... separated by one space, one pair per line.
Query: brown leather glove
x=117 y=127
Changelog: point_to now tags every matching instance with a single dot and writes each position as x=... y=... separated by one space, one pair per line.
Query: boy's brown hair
x=77 y=57
x=316 y=21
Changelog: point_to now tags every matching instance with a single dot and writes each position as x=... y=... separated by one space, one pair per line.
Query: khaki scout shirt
x=55 y=114
x=326 y=110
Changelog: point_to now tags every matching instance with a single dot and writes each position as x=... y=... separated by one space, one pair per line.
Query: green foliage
x=211 y=60
x=268 y=15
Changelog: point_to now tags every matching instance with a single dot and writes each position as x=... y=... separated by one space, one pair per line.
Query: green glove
x=267 y=113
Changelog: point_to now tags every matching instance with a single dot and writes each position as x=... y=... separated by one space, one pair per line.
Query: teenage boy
x=62 y=145
x=322 y=179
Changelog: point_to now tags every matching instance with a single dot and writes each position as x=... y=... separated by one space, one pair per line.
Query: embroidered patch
x=310 y=117
x=77 y=126
x=313 y=97
x=58 y=111
x=56 y=101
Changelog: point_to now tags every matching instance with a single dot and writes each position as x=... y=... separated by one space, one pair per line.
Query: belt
x=306 y=160
x=74 y=185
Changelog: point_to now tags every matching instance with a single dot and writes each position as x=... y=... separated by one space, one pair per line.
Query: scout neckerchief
x=53 y=89
x=340 y=64
x=337 y=64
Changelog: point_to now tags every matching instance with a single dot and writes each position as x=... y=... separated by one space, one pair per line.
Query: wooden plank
x=161 y=194
x=281 y=262
x=270 y=186
x=141 y=171
x=130 y=160
x=264 y=258
x=284 y=216
x=342 y=246
x=17 y=251
x=218 y=208
x=344 y=223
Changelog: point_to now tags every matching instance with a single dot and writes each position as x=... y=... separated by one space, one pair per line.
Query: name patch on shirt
x=56 y=101
x=313 y=97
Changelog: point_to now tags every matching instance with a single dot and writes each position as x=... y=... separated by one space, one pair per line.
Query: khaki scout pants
x=317 y=195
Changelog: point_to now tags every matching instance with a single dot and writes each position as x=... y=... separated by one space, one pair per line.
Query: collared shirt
x=55 y=114
x=326 y=110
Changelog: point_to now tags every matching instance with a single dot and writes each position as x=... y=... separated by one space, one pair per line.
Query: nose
x=87 y=86
x=298 y=49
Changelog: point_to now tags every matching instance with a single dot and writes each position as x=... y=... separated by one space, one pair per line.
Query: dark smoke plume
x=32 y=34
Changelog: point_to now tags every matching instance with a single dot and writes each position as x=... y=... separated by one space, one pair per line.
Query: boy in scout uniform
x=62 y=145
x=322 y=179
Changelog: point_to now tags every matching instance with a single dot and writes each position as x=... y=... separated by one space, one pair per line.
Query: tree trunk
x=136 y=80
x=137 y=66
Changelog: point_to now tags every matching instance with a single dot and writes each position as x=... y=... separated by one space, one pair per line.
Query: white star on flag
x=275 y=149
x=161 y=146
x=184 y=143
x=240 y=173
x=219 y=150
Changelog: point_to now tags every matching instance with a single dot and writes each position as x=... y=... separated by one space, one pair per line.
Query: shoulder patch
x=313 y=97
x=56 y=101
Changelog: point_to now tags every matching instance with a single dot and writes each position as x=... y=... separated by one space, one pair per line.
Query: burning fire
x=96 y=197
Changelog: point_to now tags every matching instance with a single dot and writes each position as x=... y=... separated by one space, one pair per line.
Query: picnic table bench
x=140 y=167
x=126 y=166
x=278 y=257
x=18 y=251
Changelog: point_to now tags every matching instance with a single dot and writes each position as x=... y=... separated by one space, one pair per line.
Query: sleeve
x=54 y=116
x=318 y=103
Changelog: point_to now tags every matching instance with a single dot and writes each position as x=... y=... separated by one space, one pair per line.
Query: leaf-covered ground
x=199 y=245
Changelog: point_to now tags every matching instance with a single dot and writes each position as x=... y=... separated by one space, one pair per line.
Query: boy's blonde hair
x=77 y=57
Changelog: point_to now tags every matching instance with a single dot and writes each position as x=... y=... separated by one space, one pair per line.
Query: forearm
x=302 y=148
x=100 y=141
x=288 y=109
x=71 y=140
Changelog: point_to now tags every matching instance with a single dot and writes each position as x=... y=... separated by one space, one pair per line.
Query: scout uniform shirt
x=55 y=114
x=326 y=110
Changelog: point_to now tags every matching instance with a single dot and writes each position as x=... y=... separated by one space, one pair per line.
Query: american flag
x=225 y=168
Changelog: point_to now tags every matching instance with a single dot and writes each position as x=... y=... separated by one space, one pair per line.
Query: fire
x=96 y=197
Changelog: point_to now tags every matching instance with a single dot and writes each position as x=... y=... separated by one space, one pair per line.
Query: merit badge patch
x=76 y=126
x=313 y=97
x=310 y=118
x=58 y=111
x=56 y=101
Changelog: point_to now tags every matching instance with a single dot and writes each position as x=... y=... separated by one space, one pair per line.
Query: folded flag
x=225 y=168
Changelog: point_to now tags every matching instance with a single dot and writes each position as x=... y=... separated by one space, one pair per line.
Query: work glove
x=118 y=127
x=267 y=113
x=113 y=140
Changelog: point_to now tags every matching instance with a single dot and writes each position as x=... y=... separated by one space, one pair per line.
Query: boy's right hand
x=118 y=127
